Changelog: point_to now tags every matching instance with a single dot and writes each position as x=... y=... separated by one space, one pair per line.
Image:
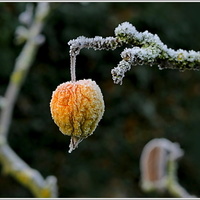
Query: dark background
x=150 y=103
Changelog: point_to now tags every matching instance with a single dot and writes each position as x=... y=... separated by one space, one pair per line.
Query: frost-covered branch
x=148 y=49
x=12 y=164
x=96 y=43
x=145 y=49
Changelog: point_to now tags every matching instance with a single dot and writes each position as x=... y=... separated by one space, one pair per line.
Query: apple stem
x=73 y=68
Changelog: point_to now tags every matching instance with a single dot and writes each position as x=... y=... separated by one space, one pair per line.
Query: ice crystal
x=119 y=71
x=125 y=29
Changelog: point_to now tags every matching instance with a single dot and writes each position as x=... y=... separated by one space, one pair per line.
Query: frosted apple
x=77 y=107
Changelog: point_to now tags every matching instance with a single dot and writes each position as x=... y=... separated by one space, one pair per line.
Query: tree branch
x=11 y=162
x=146 y=49
x=30 y=178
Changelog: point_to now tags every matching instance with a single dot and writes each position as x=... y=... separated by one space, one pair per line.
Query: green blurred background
x=150 y=103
